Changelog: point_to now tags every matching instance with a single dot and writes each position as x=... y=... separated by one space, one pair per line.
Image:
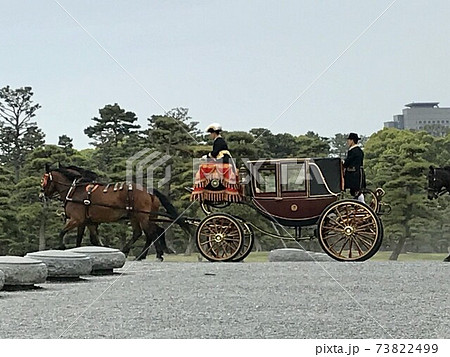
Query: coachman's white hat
x=213 y=127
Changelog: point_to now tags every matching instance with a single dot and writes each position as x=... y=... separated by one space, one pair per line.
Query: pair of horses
x=87 y=203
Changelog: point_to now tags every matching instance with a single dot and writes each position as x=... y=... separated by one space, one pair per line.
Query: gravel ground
x=240 y=300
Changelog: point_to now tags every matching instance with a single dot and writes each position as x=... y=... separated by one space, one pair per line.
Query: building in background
x=422 y=116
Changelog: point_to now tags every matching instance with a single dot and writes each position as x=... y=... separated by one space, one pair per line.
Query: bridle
x=46 y=180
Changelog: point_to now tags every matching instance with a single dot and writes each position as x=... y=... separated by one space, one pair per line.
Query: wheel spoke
x=343 y=246
x=363 y=240
x=340 y=239
x=339 y=214
x=365 y=225
x=332 y=228
x=336 y=222
x=360 y=251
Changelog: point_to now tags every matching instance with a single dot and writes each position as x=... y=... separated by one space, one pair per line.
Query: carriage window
x=265 y=179
x=293 y=177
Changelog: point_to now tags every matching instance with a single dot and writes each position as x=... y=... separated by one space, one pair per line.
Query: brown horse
x=87 y=204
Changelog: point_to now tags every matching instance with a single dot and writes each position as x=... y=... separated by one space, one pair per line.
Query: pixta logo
x=145 y=165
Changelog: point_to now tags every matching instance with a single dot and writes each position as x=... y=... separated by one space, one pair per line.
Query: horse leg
x=447 y=259
x=80 y=233
x=161 y=239
x=150 y=230
x=137 y=232
x=148 y=243
x=93 y=235
x=71 y=224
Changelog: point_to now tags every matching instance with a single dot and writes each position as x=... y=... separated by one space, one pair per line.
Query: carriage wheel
x=219 y=237
x=371 y=199
x=247 y=245
x=349 y=230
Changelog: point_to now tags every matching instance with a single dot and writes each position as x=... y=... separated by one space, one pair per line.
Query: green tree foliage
x=173 y=136
x=109 y=133
x=8 y=220
x=312 y=145
x=241 y=145
x=18 y=134
x=66 y=143
x=339 y=145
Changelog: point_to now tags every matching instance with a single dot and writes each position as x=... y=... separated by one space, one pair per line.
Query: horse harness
x=91 y=187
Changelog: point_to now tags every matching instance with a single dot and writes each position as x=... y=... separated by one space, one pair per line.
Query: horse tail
x=171 y=210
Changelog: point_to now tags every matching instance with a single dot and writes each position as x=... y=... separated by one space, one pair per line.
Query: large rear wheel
x=219 y=237
x=349 y=230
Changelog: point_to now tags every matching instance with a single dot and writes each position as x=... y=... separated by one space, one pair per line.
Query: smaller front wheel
x=219 y=237
x=349 y=230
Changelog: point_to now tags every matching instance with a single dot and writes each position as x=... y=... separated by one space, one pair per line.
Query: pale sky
x=239 y=63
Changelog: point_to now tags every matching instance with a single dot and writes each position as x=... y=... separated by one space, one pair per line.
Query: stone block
x=103 y=259
x=22 y=271
x=63 y=264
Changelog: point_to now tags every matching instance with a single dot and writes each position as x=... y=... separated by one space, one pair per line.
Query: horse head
x=438 y=182
x=56 y=180
x=48 y=187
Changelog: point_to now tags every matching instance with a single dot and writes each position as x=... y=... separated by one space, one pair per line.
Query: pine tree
x=109 y=133
x=18 y=134
x=396 y=161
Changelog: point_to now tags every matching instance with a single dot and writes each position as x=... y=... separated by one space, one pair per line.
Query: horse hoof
x=160 y=259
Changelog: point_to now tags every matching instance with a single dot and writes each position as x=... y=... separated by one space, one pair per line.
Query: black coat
x=219 y=145
x=354 y=176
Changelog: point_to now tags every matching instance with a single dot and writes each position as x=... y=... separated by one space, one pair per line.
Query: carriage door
x=293 y=185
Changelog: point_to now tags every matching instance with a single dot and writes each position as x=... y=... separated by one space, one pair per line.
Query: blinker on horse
x=88 y=203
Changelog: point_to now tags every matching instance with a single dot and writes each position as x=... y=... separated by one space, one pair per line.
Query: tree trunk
x=398 y=248
x=258 y=247
x=401 y=242
x=42 y=243
x=190 y=246
x=16 y=152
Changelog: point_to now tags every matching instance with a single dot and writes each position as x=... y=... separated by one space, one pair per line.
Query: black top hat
x=354 y=137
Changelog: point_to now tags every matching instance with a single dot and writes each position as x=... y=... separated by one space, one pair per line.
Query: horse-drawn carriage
x=293 y=193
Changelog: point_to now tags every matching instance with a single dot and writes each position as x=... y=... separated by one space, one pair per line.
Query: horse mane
x=74 y=172
x=85 y=174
